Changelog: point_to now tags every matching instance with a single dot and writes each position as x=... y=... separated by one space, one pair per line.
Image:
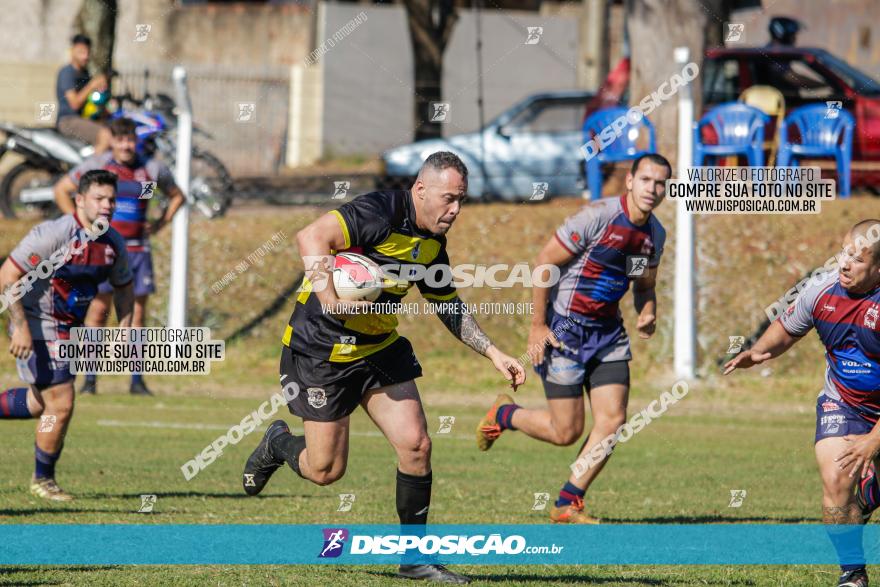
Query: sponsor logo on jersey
x=871 y=317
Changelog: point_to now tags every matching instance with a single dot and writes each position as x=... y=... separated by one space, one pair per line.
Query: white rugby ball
x=357 y=277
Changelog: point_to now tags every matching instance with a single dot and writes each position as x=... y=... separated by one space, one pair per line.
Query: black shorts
x=577 y=378
x=331 y=391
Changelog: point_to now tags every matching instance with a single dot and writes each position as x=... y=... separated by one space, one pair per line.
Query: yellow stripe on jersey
x=344 y=227
x=409 y=248
x=346 y=353
x=372 y=323
x=438 y=298
x=304 y=290
x=288 y=332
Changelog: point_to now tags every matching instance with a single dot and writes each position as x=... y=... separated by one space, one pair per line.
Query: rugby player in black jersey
x=350 y=357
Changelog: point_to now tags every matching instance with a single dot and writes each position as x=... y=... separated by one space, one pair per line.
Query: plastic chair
x=623 y=148
x=771 y=102
x=821 y=135
x=739 y=129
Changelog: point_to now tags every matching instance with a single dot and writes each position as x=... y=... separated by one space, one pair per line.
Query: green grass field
x=751 y=432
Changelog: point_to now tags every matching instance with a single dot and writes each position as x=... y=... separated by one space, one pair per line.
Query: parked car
x=804 y=76
x=537 y=141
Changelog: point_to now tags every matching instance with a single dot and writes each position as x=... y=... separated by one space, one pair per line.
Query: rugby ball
x=356 y=277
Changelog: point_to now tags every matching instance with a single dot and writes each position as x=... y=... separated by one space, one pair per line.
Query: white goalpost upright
x=180 y=226
x=685 y=322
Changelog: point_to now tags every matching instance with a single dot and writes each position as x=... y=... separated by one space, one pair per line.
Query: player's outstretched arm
x=455 y=316
x=775 y=341
x=123 y=301
x=540 y=334
x=645 y=301
x=22 y=344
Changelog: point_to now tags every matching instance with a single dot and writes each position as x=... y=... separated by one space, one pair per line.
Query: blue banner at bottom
x=729 y=544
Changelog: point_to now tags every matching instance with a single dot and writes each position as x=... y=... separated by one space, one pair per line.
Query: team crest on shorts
x=829 y=406
x=317 y=397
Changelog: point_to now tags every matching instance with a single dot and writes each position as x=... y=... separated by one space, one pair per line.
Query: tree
x=655 y=28
x=430 y=27
x=97 y=19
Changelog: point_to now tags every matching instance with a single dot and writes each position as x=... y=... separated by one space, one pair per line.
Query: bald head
x=865 y=237
x=859 y=261
x=439 y=191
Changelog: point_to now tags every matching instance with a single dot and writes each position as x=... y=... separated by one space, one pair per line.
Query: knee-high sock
x=288 y=447
x=847 y=541
x=13 y=403
x=413 y=498
x=45 y=462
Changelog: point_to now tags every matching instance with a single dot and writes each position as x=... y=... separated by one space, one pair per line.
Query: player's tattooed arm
x=461 y=323
x=454 y=314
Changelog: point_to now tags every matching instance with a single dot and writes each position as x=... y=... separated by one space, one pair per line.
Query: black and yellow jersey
x=381 y=226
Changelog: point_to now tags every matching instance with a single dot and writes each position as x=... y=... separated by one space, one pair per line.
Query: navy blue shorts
x=40 y=369
x=836 y=418
x=141 y=265
x=590 y=356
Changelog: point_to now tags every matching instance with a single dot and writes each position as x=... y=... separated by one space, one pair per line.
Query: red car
x=803 y=76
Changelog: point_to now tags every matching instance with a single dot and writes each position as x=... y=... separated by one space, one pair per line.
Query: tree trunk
x=430 y=26
x=656 y=28
x=97 y=19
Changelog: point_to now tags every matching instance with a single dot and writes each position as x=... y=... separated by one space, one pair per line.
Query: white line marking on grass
x=198 y=426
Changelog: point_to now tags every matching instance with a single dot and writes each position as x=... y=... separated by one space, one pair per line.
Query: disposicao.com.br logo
x=430 y=544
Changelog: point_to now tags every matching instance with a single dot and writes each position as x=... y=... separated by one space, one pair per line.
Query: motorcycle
x=48 y=155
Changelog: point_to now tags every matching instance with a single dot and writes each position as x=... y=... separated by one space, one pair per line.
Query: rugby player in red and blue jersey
x=599 y=250
x=844 y=308
x=130 y=219
x=48 y=281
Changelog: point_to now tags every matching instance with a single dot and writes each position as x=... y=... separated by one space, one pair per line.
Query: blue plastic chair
x=739 y=129
x=821 y=136
x=623 y=148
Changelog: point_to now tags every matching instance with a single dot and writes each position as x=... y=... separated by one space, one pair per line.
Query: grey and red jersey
x=59 y=302
x=849 y=327
x=130 y=217
x=601 y=237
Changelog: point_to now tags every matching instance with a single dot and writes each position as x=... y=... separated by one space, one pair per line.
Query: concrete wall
x=230 y=34
x=368 y=77
x=234 y=54
x=846 y=28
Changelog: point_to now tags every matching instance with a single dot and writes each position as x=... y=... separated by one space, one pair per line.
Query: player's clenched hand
x=646 y=325
x=508 y=366
x=540 y=336
x=746 y=359
x=861 y=452
x=22 y=344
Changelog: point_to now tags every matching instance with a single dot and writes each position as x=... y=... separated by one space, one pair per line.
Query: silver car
x=532 y=151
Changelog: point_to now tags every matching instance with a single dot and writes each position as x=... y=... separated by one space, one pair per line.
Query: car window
x=550 y=117
x=795 y=78
x=721 y=80
x=851 y=76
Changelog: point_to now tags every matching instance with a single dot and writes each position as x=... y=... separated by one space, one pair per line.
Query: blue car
x=532 y=151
